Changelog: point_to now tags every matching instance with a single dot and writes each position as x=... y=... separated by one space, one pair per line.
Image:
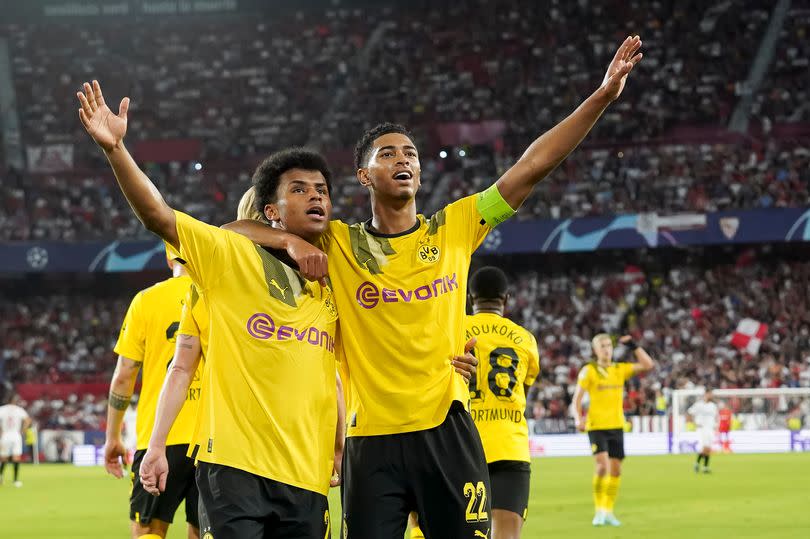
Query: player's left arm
x=553 y=146
x=154 y=469
x=340 y=433
x=644 y=362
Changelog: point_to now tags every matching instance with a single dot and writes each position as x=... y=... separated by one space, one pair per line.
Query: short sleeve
x=188 y=324
x=463 y=222
x=534 y=362
x=204 y=249
x=627 y=370
x=692 y=409
x=132 y=338
x=584 y=378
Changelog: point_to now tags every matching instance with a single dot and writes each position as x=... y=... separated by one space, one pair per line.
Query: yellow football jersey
x=148 y=335
x=605 y=387
x=401 y=299
x=268 y=395
x=507 y=359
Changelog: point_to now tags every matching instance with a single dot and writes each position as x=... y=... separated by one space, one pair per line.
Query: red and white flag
x=749 y=335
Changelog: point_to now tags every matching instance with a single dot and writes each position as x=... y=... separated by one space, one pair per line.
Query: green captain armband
x=492 y=207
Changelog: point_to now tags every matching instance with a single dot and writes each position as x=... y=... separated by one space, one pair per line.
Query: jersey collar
x=414 y=228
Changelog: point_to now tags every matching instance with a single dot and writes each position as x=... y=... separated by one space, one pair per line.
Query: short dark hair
x=268 y=173
x=363 y=147
x=489 y=282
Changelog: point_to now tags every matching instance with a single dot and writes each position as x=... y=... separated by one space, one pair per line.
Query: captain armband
x=492 y=207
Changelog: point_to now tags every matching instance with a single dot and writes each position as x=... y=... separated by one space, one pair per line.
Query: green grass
x=747 y=496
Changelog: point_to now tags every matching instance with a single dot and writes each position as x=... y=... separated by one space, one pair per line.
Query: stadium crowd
x=684 y=314
x=784 y=96
x=677 y=178
x=247 y=85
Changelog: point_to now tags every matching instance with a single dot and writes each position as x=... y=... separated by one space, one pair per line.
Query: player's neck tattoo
x=118 y=402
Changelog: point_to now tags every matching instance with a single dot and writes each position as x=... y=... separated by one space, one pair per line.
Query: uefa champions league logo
x=37 y=258
x=493 y=240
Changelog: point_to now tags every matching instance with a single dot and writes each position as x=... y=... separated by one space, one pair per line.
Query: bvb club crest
x=428 y=253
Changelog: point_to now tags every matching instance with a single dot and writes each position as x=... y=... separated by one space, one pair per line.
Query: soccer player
x=401 y=277
x=146 y=344
x=724 y=426
x=265 y=463
x=13 y=422
x=704 y=414
x=604 y=380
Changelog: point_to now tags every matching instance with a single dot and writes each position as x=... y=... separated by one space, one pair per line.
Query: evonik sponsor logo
x=262 y=326
x=369 y=294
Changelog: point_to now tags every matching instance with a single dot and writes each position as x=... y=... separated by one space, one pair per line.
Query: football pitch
x=660 y=497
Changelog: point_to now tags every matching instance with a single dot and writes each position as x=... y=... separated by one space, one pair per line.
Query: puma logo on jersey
x=479 y=533
x=278 y=287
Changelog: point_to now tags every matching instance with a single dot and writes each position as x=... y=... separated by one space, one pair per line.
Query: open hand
x=625 y=59
x=154 y=471
x=115 y=458
x=106 y=128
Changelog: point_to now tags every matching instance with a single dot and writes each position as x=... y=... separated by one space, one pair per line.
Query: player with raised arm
x=146 y=345
x=604 y=380
x=265 y=465
x=14 y=421
x=704 y=413
x=402 y=277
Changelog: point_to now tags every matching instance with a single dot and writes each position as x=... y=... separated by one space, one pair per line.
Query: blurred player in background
x=411 y=443
x=14 y=421
x=147 y=343
x=704 y=414
x=603 y=381
x=724 y=426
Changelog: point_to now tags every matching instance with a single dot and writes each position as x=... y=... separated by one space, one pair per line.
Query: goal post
x=763 y=420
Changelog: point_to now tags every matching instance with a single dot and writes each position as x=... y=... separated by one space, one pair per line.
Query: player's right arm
x=131 y=348
x=551 y=148
x=154 y=467
x=583 y=383
x=121 y=388
x=311 y=261
x=108 y=130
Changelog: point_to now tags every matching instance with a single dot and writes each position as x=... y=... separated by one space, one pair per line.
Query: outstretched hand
x=625 y=59
x=106 y=128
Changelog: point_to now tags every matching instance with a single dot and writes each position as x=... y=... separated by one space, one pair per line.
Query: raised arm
x=154 y=467
x=121 y=388
x=645 y=362
x=108 y=130
x=553 y=146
